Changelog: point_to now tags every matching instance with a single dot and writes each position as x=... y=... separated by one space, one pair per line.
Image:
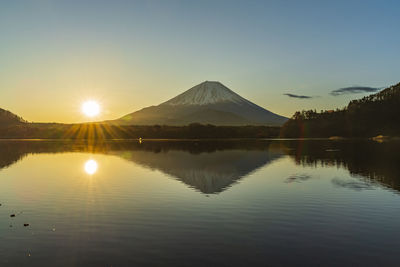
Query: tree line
x=376 y=114
x=109 y=131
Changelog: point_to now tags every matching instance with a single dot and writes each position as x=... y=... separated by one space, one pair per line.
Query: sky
x=282 y=55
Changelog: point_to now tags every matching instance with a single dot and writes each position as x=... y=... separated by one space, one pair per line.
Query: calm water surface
x=192 y=203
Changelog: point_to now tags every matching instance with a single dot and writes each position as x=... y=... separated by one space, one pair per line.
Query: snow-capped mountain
x=206 y=93
x=207 y=103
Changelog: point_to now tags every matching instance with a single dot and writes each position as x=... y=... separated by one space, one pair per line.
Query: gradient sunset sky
x=131 y=54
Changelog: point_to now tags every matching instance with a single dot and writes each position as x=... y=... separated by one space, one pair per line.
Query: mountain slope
x=208 y=102
x=8 y=118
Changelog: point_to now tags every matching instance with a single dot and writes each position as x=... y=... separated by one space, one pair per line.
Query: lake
x=200 y=203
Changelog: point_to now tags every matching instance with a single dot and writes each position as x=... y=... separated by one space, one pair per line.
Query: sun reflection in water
x=91 y=166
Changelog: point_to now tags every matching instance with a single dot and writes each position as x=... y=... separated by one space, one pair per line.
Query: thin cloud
x=355 y=90
x=298 y=178
x=352 y=184
x=298 y=96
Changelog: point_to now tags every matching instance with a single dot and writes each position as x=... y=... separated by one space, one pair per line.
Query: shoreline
x=203 y=139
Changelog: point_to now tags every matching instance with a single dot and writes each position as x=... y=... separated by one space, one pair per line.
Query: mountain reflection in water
x=213 y=166
x=209 y=167
x=208 y=173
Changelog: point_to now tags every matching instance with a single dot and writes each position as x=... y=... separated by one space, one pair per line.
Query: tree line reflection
x=377 y=162
x=213 y=166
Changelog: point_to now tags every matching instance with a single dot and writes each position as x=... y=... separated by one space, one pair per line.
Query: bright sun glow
x=91 y=166
x=91 y=108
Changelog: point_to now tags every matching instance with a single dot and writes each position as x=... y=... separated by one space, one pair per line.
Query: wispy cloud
x=298 y=96
x=355 y=90
x=298 y=178
x=352 y=184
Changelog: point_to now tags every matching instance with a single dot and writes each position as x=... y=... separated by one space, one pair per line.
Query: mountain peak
x=208 y=92
x=209 y=102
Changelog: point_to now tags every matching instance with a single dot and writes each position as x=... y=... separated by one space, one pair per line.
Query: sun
x=91 y=108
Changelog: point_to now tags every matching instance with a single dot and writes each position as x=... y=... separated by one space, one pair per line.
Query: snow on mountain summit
x=206 y=103
x=208 y=92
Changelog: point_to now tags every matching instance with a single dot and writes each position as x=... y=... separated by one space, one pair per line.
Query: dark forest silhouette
x=8 y=118
x=373 y=115
x=109 y=131
x=14 y=127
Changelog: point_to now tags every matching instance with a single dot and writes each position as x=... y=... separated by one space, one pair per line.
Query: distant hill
x=206 y=103
x=8 y=118
x=376 y=114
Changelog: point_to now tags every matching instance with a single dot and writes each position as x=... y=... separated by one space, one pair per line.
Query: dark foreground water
x=192 y=203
